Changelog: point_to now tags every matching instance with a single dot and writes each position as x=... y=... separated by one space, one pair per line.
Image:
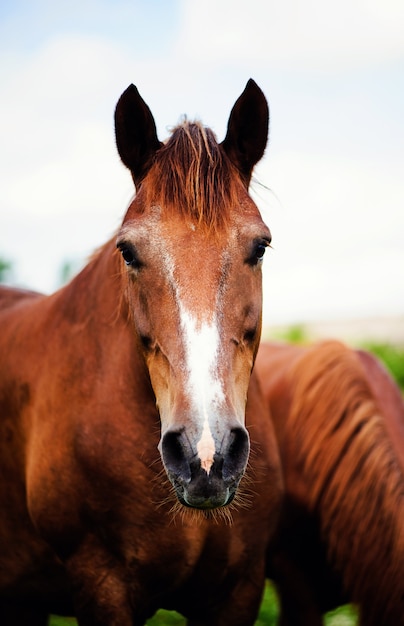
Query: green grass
x=269 y=607
x=392 y=357
x=343 y=616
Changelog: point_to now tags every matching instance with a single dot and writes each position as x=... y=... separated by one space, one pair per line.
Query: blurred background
x=331 y=185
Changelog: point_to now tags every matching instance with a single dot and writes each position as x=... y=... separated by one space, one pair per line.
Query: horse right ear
x=135 y=133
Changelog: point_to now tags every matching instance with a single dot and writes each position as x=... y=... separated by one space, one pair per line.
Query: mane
x=192 y=174
x=354 y=480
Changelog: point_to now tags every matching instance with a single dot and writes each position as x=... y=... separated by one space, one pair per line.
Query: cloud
x=337 y=229
x=294 y=35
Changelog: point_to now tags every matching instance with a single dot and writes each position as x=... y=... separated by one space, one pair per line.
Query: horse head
x=192 y=244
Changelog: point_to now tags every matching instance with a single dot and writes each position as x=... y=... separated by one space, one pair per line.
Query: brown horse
x=339 y=420
x=126 y=391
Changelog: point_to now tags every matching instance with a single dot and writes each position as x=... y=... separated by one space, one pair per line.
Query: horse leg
x=102 y=595
x=18 y=614
x=99 y=594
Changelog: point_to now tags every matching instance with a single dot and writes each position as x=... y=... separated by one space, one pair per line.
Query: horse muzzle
x=194 y=486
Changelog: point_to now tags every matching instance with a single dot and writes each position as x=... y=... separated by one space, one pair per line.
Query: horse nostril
x=146 y=342
x=236 y=458
x=174 y=456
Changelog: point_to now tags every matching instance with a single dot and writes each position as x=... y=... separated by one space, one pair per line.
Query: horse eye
x=258 y=252
x=129 y=256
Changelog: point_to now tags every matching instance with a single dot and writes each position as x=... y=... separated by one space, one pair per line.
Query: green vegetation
x=5 y=270
x=392 y=357
x=296 y=333
x=269 y=611
x=343 y=616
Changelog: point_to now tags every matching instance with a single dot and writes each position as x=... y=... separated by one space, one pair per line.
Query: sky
x=330 y=186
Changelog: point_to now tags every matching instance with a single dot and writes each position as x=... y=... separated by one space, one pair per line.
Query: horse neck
x=94 y=296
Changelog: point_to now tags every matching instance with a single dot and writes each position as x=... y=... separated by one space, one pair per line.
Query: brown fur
x=339 y=420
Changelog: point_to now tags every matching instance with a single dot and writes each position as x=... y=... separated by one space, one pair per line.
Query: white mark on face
x=201 y=339
x=206 y=392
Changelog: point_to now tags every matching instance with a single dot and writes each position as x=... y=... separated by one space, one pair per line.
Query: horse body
x=339 y=420
x=134 y=356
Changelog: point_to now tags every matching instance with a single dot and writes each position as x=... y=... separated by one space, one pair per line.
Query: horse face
x=196 y=306
x=193 y=243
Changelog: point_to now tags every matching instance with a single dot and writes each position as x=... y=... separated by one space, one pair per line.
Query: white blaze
x=202 y=347
x=201 y=343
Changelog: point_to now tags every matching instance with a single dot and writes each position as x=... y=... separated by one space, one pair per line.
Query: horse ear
x=135 y=133
x=247 y=130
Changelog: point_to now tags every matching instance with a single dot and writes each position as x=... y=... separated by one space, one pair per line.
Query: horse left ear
x=247 y=130
x=135 y=133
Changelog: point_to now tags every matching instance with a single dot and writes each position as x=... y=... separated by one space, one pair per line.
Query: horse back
x=339 y=418
x=10 y=296
x=389 y=399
